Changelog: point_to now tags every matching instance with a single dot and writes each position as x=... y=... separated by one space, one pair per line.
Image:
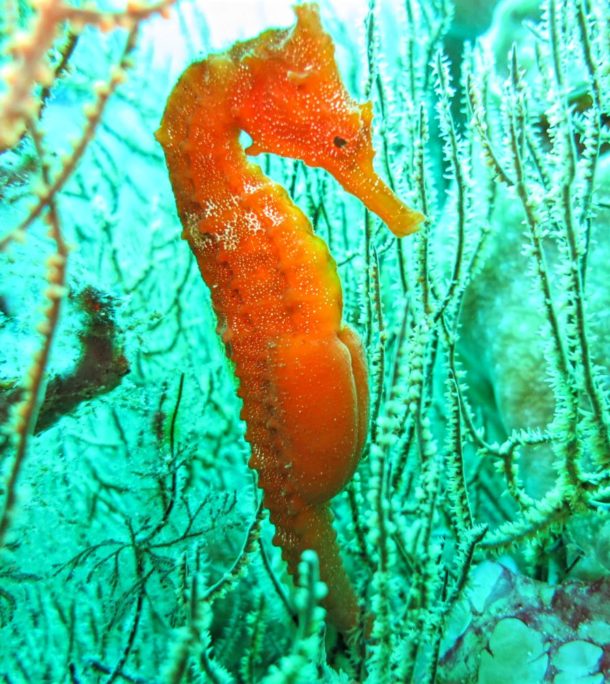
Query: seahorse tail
x=312 y=529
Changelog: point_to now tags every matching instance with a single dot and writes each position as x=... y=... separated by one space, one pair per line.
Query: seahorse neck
x=201 y=140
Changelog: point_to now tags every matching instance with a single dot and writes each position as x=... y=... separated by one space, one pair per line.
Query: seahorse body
x=275 y=288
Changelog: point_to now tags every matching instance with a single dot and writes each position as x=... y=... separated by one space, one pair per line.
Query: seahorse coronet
x=274 y=285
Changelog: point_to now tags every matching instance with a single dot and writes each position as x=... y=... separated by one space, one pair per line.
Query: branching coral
x=477 y=519
x=26 y=69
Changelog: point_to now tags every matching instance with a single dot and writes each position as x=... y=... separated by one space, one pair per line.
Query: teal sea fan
x=133 y=545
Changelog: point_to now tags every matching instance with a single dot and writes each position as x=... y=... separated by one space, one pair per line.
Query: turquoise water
x=134 y=545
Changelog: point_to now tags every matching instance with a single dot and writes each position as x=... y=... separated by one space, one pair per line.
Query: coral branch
x=19 y=106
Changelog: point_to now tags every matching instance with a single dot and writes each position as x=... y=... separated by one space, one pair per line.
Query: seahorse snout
x=375 y=194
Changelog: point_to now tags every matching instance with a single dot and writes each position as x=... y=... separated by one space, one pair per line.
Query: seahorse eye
x=340 y=142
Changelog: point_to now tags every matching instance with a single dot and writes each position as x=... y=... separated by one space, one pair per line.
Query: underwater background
x=476 y=530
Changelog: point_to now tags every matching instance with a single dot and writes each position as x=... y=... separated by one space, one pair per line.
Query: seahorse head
x=292 y=102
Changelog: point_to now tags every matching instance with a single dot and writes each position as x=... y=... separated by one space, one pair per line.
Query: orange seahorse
x=275 y=288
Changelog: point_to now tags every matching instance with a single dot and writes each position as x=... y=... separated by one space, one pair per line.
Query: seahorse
x=274 y=286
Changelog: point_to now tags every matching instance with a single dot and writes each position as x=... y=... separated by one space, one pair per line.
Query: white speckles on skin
x=191 y=221
x=250 y=186
x=272 y=214
x=198 y=239
x=229 y=236
x=214 y=208
x=253 y=223
x=210 y=209
x=191 y=227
